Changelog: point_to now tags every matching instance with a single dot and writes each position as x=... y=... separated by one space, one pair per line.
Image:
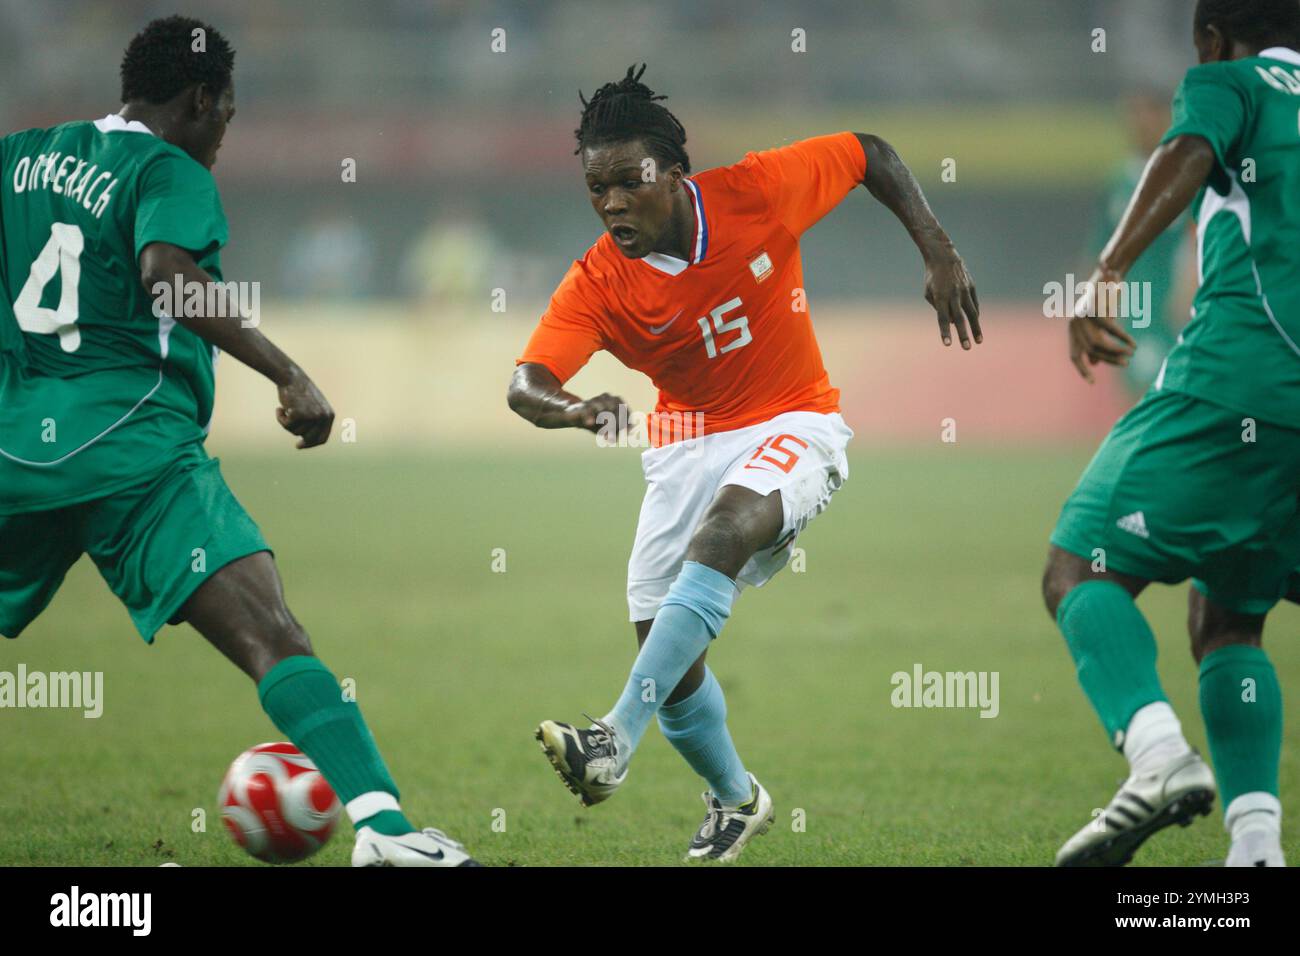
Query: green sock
x=305 y=701
x=1114 y=652
x=1242 y=706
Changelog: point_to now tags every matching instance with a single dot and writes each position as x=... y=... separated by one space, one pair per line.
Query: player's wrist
x=1111 y=268
x=937 y=247
x=287 y=374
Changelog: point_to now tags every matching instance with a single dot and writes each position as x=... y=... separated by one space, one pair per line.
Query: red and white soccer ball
x=276 y=805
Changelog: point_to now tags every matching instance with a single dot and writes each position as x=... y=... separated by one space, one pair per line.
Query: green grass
x=927 y=556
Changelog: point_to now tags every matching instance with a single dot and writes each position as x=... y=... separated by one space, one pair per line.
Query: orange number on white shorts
x=778 y=445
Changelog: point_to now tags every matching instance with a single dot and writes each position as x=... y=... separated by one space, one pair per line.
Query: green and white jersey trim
x=84 y=445
x=1237 y=203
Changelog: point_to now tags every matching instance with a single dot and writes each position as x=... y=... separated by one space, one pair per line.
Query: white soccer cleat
x=427 y=847
x=1256 y=848
x=725 y=832
x=586 y=760
x=1176 y=793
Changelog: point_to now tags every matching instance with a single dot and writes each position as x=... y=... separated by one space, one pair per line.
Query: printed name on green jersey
x=1281 y=79
x=56 y=172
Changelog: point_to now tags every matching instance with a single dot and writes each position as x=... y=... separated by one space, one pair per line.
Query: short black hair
x=1257 y=22
x=160 y=61
x=626 y=110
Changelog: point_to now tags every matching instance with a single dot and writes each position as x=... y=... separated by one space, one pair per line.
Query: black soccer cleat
x=586 y=760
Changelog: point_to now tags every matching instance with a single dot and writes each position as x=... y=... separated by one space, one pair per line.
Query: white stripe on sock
x=368 y=804
x=1251 y=811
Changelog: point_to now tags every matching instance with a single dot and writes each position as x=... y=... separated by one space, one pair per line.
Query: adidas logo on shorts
x=1135 y=523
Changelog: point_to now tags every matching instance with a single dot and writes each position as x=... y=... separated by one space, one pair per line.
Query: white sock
x=1153 y=738
x=1251 y=812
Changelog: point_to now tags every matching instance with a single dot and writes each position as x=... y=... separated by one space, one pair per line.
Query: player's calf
x=1241 y=703
x=241 y=611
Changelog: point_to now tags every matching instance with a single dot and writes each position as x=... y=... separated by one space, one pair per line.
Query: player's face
x=212 y=116
x=633 y=198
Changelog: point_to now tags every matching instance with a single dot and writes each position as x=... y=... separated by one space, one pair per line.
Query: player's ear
x=201 y=101
x=1216 y=44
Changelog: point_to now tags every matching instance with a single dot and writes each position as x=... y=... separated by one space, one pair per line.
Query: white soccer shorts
x=800 y=454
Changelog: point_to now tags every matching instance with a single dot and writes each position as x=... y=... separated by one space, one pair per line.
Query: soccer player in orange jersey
x=697 y=282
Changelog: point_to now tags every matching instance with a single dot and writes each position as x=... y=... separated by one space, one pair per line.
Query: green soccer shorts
x=154 y=543
x=1179 y=490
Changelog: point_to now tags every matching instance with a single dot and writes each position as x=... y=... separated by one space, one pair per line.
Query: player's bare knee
x=1211 y=627
x=1057 y=581
x=720 y=542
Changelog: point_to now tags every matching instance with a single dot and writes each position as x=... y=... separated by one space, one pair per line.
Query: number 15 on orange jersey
x=721 y=326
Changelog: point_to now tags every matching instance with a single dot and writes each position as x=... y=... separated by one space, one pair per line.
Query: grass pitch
x=927 y=556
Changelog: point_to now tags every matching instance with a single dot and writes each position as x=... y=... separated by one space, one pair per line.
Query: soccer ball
x=276 y=805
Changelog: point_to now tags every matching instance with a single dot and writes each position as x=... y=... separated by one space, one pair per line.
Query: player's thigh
x=156 y=543
x=1174 y=492
x=36 y=551
x=801 y=461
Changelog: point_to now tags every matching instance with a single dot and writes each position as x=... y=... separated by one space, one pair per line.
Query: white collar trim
x=114 y=123
x=1285 y=54
x=665 y=263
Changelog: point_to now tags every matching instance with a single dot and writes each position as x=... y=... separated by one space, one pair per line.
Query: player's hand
x=304 y=411
x=1096 y=336
x=588 y=414
x=951 y=290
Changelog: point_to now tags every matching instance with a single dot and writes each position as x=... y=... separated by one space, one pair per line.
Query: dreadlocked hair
x=627 y=110
x=1256 y=22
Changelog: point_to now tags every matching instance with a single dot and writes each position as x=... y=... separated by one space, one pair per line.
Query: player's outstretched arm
x=948 y=286
x=1173 y=175
x=536 y=395
x=303 y=409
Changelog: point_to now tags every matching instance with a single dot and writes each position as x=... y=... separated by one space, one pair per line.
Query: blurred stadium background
x=384 y=289
x=466 y=180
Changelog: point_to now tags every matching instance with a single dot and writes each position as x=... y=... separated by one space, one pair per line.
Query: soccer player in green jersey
x=106 y=388
x=1200 y=478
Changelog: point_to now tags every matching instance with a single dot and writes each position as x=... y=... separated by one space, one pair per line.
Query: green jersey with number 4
x=97 y=388
x=1241 y=349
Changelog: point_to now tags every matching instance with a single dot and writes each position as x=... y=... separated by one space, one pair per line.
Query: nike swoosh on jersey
x=658 y=329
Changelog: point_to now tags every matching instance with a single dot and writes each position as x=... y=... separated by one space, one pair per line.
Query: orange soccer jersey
x=727 y=337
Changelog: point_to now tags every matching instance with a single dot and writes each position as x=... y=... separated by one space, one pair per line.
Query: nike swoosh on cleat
x=433 y=856
x=658 y=329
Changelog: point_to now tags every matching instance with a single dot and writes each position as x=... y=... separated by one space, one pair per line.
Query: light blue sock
x=697 y=605
x=697 y=729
